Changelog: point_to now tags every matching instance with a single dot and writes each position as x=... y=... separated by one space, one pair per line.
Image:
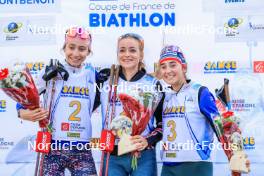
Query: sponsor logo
x=253 y=26
x=170 y=155
x=258 y=66
x=220 y=67
x=13 y=27
x=73 y=135
x=178 y=110
x=65 y=127
x=34 y=67
x=76 y=127
x=232 y=25
x=240 y=105
x=249 y=143
x=5 y=145
x=2 y=105
x=75 y=90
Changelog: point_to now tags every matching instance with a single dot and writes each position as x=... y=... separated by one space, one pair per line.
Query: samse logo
x=220 y=67
x=2 y=105
x=249 y=143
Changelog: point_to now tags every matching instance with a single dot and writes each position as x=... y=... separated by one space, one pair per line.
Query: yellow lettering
x=182 y=109
x=86 y=91
x=3 y=104
x=213 y=67
x=70 y=90
x=77 y=90
x=174 y=109
x=65 y=89
x=227 y=65
x=234 y=66
x=41 y=65
x=29 y=66
x=251 y=141
x=221 y=65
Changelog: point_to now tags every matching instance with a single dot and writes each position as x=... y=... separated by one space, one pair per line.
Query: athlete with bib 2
x=73 y=100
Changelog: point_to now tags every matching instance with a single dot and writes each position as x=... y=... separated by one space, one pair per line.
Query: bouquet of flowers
x=19 y=85
x=138 y=106
x=230 y=135
x=122 y=127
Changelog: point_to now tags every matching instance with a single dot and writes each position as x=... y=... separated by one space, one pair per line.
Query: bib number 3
x=172 y=125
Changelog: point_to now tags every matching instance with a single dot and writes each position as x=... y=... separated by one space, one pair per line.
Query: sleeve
x=207 y=106
x=207 y=103
x=156 y=135
x=19 y=106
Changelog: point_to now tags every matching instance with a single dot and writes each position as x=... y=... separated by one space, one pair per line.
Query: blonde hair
x=140 y=40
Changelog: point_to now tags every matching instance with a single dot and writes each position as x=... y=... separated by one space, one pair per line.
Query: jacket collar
x=136 y=77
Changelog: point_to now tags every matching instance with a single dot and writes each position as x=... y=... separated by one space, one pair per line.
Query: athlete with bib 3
x=188 y=119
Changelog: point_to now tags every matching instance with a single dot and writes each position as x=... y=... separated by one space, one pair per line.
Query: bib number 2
x=73 y=116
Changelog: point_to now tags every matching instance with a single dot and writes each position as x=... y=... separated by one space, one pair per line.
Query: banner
x=119 y=13
x=32 y=32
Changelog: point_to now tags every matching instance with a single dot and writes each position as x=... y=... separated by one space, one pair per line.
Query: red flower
x=3 y=73
x=228 y=114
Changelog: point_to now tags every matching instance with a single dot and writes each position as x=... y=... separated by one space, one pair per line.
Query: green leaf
x=49 y=127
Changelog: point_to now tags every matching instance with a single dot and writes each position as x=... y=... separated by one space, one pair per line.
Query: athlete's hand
x=140 y=142
x=248 y=164
x=238 y=173
x=33 y=115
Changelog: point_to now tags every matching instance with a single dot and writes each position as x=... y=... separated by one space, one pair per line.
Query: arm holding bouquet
x=59 y=85
x=35 y=115
x=149 y=140
x=18 y=84
x=44 y=79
